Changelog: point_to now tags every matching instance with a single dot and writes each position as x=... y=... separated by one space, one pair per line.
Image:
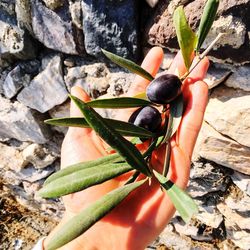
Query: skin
x=141 y=217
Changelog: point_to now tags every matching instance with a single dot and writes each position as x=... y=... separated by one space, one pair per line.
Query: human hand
x=140 y=218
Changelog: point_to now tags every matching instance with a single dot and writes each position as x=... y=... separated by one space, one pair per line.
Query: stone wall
x=48 y=46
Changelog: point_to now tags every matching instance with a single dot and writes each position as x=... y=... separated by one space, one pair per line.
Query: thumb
x=75 y=111
x=82 y=95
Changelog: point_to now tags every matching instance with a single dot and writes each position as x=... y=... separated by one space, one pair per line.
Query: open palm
x=140 y=218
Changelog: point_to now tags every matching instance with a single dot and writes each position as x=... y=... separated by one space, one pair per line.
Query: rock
x=235 y=209
x=171 y=240
x=23 y=14
x=207 y=178
x=111 y=24
x=53 y=4
x=92 y=78
x=21 y=123
x=152 y=3
x=13 y=40
x=53 y=29
x=76 y=13
x=232 y=15
x=38 y=156
x=59 y=112
x=31 y=188
x=119 y=83
x=240 y=78
x=11 y=158
x=68 y=62
x=216 y=75
x=48 y=87
x=232 y=116
x=212 y=146
x=234 y=29
x=14 y=81
x=242 y=181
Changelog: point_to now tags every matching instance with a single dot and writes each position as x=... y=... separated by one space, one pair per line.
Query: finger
x=151 y=63
x=193 y=116
x=75 y=111
x=178 y=66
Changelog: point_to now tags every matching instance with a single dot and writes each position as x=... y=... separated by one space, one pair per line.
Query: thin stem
x=203 y=55
x=133 y=177
x=167 y=160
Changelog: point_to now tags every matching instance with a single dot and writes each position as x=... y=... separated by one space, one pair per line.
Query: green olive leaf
x=108 y=159
x=186 y=37
x=183 y=203
x=89 y=216
x=83 y=179
x=131 y=66
x=125 y=148
x=206 y=22
x=175 y=116
x=124 y=128
x=119 y=102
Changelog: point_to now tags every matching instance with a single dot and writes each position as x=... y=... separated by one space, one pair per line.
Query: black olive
x=164 y=89
x=146 y=117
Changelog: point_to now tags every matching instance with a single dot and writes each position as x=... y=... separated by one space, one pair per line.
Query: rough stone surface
x=111 y=25
x=222 y=150
x=13 y=40
x=53 y=29
x=48 y=88
x=53 y=4
x=240 y=79
x=242 y=181
x=216 y=75
x=152 y=3
x=234 y=15
x=234 y=29
x=11 y=158
x=76 y=13
x=38 y=156
x=14 y=81
x=18 y=121
x=232 y=116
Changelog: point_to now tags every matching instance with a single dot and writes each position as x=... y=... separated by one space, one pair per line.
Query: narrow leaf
x=118 y=103
x=175 y=116
x=141 y=95
x=131 y=66
x=125 y=148
x=114 y=158
x=206 y=22
x=124 y=128
x=83 y=179
x=89 y=216
x=186 y=37
x=183 y=203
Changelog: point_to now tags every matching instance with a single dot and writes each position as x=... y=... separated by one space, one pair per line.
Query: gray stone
x=212 y=146
x=111 y=25
x=21 y=123
x=234 y=29
x=53 y=4
x=167 y=60
x=38 y=156
x=53 y=29
x=59 y=112
x=119 y=83
x=242 y=181
x=92 y=78
x=228 y=111
x=11 y=158
x=48 y=88
x=240 y=79
x=207 y=178
x=76 y=13
x=13 y=40
x=23 y=14
x=216 y=75
x=14 y=81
